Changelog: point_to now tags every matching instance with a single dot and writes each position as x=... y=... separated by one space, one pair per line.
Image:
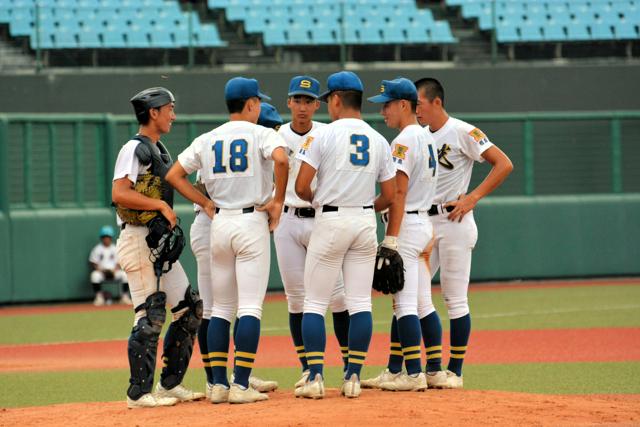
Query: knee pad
x=295 y=304
x=457 y=307
x=402 y=310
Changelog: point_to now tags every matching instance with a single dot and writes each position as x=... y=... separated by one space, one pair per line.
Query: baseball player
x=292 y=236
x=460 y=144
x=348 y=157
x=236 y=163
x=104 y=263
x=142 y=159
x=200 y=236
x=409 y=229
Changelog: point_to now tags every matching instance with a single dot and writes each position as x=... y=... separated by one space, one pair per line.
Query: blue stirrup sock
x=204 y=352
x=395 y=351
x=314 y=337
x=295 y=326
x=410 y=337
x=459 y=335
x=432 y=336
x=246 y=339
x=360 y=330
x=218 y=346
x=341 y=329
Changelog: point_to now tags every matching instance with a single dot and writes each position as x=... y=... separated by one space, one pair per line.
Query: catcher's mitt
x=388 y=276
x=149 y=185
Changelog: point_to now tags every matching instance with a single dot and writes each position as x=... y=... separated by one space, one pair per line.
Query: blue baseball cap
x=343 y=80
x=107 y=231
x=243 y=88
x=399 y=88
x=304 y=85
x=269 y=116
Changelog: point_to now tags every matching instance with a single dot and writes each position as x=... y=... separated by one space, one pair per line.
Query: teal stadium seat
x=601 y=31
x=113 y=38
x=578 y=32
x=553 y=32
x=531 y=32
x=89 y=39
x=507 y=34
x=626 y=30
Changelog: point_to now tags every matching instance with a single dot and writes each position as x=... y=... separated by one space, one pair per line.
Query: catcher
x=148 y=249
x=408 y=233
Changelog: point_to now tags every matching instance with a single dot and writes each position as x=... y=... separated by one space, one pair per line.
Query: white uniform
x=236 y=168
x=293 y=234
x=349 y=157
x=200 y=234
x=460 y=144
x=106 y=258
x=133 y=252
x=414 y=153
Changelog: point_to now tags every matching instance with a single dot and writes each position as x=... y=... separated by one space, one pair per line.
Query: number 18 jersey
x=235 y=163
x=349 y=157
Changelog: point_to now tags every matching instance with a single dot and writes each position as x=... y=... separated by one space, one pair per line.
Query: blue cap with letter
x=304 y=85
x=399 y=88
x=343 y=80
x=243 y=88
x=107 y=231
x=269 y=116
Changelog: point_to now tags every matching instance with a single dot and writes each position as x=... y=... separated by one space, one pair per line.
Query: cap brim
x=263 y=97
x=380 y=99
x=303 y=92
x=324 y=96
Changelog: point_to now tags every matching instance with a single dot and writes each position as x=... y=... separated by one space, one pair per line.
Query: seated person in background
x=104 y=264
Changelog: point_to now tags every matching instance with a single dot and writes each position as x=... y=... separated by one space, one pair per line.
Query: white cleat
x=149 y=400
x=99 y=300
x=311 y=389
x=405 y=382
x=239 y=394
x=258 y=384
x=437 y=379
x=303 y=379
x=180 y=392
x=207 y=390
x=219 y=393
x=453 y=381
x=384 y=377
x=351 y=387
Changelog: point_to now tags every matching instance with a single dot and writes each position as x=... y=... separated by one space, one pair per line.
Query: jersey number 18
x=237 y=156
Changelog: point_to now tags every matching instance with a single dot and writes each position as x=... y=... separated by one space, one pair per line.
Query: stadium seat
x=531 y=32
x=89 y=39
x=394 y=34
x=626 y=31
x=274 y=37
x=113 y=39
x=323 y=36
x=577 y=32
x=507 y=34
x=161 y=38
x=553 y=32
x=441 y=33
x=601 y=31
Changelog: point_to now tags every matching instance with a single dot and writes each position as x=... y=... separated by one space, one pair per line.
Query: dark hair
x=236 y=105
x=414 y=106
x=303 y=97
x=432 y=88
x=350 y=98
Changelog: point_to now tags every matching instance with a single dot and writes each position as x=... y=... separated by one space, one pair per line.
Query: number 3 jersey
x=459 y=145
x=349 y=157
x=414 y=153
x=235 y=163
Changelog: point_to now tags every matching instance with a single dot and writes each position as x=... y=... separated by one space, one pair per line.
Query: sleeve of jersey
x=309 y=151
x=474 y=143
x=93 y=257
x=190 y=159
x=402 y=153
x=127 y=163
x=270 y=141
x=387 y=169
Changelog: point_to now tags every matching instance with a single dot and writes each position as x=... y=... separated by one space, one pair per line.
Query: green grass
x=34 y=389
x=543 y=308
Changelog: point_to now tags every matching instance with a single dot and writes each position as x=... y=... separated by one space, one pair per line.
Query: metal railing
x=36 y=148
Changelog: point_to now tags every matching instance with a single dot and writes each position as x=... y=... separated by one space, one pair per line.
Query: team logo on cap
x=306 y=84
x=382 y=89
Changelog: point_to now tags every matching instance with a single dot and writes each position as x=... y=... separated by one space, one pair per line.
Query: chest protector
x=152 y=183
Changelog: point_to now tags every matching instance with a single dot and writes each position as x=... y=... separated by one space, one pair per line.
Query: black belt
x=329 y=208
x=244 y=210
x=433 y=210
x=385 y=216
x=302 y=212
x=123 y=226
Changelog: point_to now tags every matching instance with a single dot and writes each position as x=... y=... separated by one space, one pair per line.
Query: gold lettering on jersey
x=307 y=143
x=442 y=157
x=477 y=135
x=305 y=84
x=381 y=88
x=400 y=151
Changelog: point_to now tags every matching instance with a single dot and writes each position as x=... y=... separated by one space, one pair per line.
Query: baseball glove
x=149 y=185
x=388 y=276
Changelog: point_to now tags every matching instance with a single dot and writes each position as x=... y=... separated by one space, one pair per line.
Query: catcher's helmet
x=154 y=97
x=107 y=231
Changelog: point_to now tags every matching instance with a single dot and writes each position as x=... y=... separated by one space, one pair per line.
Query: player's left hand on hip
x=209 y=209
x=462 y=206
x=274 y=210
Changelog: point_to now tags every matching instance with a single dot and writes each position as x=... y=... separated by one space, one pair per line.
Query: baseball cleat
x=351 y=387
x=99 y=300
x=239 y=394
x=207 y=390
x=437 y=379
x=258 y=384
x=180 y=392
x=150 y=400
x=312 y=389
x=219 y=393
x=405 y=382
x=453 y=381
x=384 y=377
x=303 y=379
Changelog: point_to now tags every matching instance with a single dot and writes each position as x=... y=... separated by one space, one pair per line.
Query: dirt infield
x=525 y=346
x=373 y=408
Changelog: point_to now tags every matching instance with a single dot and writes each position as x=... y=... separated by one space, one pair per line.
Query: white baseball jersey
x=349 y=157
x=294 y=140
x=459 y=145
x=414 y=153
x=104 y=257
x=235 y=163
x=127 y=164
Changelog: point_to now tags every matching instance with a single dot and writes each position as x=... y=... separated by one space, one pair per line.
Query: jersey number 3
x=361 y=156
x=237 y=156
